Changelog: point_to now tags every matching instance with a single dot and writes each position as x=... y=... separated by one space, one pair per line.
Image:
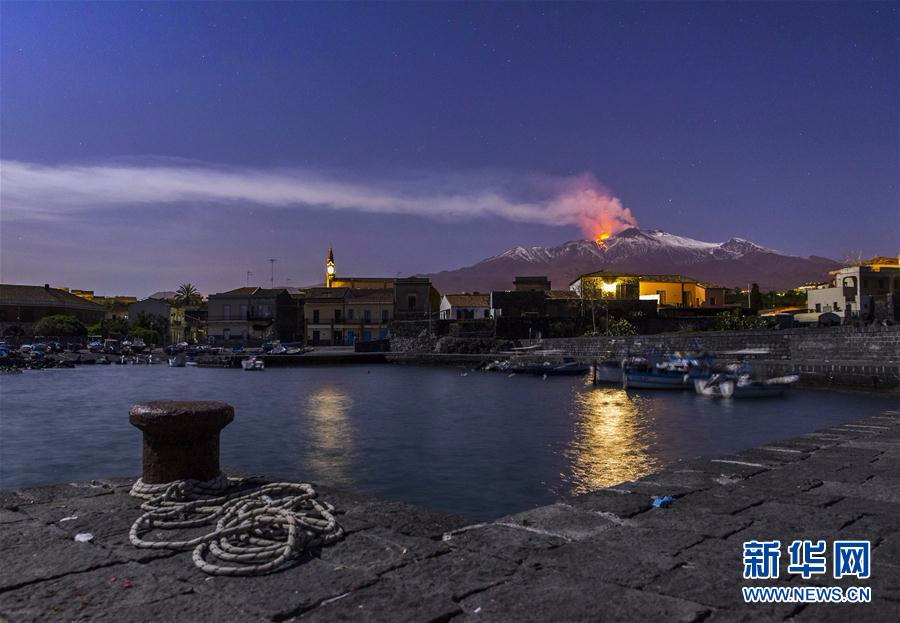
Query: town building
x=869 y=290
x=413 y=298
x=531 y=284
x=342 y=316
x=465 y=306
x=21 y=306
x=665 y=290
x=252 y=314
x=168 y=314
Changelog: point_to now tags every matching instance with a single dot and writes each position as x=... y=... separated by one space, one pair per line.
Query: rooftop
x=12 y=294
x=468 y=300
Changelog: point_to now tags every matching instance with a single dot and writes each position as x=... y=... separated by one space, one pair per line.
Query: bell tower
x=329 y=268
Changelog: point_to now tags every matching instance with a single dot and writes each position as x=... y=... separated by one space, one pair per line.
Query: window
x=316 y=317
x=350 y=313
x=662 y=296
x=818 y=307
x=337 y=315
x=243 y=315
x=881 y=284
x=487 y=313
x=836 y=307
x=712 y=300
x=226 y=333
x=316 y=336
x=367 y=315
x=226 y=312
x=384 y=315
x=411 y=302
x=459 y=314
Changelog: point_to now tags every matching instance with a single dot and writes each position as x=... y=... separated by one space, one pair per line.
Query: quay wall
x=864 y=357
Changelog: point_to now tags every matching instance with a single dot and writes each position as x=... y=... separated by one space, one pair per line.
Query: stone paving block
x=551 y=595
x=726 y=469
x=722 y=500
x=560 y=520
x=691 y=519
x=458 y=574
x=92 y=595
x=512 y=544
x=624 y=561
x=406 y=518
x=58 y=494
x=378 y=551
x=33 y=551
x=388 y=601
x=769 y=458
x=619 y=503
x=883 y=612
x=783 y=520
x=278 y=595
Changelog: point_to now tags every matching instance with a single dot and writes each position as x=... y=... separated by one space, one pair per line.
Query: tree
x=152 y=322
x=150 y=337
x=60 y=325
x=187 y=294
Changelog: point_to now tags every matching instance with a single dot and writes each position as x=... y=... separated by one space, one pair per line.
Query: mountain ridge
x=737 y=261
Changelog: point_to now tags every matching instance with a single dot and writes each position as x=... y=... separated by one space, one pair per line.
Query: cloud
x=48 y=192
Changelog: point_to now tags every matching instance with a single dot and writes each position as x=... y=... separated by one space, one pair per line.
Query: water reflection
x=330 y=451
x=609 y=446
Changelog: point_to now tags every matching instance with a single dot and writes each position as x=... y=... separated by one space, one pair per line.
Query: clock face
x=330 y=270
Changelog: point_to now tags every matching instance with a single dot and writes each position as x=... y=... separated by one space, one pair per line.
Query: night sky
x=145 y=145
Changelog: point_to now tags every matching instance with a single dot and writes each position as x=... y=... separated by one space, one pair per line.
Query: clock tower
x=329 y=268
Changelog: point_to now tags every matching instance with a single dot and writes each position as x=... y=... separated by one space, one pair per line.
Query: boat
x=569 y=367
x=677 y=372
x=252 y=363
x=177 y=361
x=608 y=371
x=742 y=386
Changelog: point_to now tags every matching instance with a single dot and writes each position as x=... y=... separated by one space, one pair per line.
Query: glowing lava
x=600 y=240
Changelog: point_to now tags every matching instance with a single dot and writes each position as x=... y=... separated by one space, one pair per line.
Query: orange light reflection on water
x=331 y=435
x=609 y=446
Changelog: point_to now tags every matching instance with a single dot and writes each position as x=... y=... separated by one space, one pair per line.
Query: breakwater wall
x=864 y=357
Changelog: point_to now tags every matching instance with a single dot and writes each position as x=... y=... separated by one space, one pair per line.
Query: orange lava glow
x=600 y=239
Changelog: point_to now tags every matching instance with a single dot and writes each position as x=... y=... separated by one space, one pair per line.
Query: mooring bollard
x=181 y=438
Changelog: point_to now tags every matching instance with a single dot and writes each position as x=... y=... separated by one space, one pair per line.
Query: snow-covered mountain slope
x=731 y=263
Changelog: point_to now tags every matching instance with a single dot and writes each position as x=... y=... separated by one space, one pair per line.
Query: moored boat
x=608 y=371
x=177 y=361
x=252 y=364
x=742 y=386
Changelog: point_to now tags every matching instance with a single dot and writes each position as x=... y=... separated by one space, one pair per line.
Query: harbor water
x=475 y=443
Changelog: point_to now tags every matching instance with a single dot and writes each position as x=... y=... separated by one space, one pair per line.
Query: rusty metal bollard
x=181 y=438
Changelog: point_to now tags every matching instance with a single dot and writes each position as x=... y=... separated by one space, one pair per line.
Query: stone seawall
x=847 y=356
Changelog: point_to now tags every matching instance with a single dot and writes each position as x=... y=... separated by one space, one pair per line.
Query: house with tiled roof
x=252 y=315
x=465 y=306
x=22 y=305
x=342 y=316
x=666 y=290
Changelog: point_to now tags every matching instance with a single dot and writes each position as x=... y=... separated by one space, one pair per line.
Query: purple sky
x=145 y=145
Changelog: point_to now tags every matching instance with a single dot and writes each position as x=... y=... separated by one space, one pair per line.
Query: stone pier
x=605 y=556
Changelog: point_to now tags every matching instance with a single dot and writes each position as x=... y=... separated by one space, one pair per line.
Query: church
x=359 y=309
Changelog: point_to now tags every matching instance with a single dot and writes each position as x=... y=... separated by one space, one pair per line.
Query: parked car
x=95 y=343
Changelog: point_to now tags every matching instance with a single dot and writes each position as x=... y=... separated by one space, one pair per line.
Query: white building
x=465 y=306
x=854 y=290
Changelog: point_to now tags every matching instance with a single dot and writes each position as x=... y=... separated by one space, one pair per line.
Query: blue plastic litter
x=662 y=502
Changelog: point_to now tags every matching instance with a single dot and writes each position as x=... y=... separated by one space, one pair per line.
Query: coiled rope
x=257 y=530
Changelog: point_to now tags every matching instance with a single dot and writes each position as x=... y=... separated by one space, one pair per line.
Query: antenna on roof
x=272 y=277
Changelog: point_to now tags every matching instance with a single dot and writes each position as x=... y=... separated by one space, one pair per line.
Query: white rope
x=257 y=530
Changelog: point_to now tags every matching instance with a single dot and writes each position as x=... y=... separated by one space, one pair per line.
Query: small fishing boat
x=608 y=371
x=252 y=364
x=569 y=367
x=675 y=373
x=178 y=361
x=742 y=386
